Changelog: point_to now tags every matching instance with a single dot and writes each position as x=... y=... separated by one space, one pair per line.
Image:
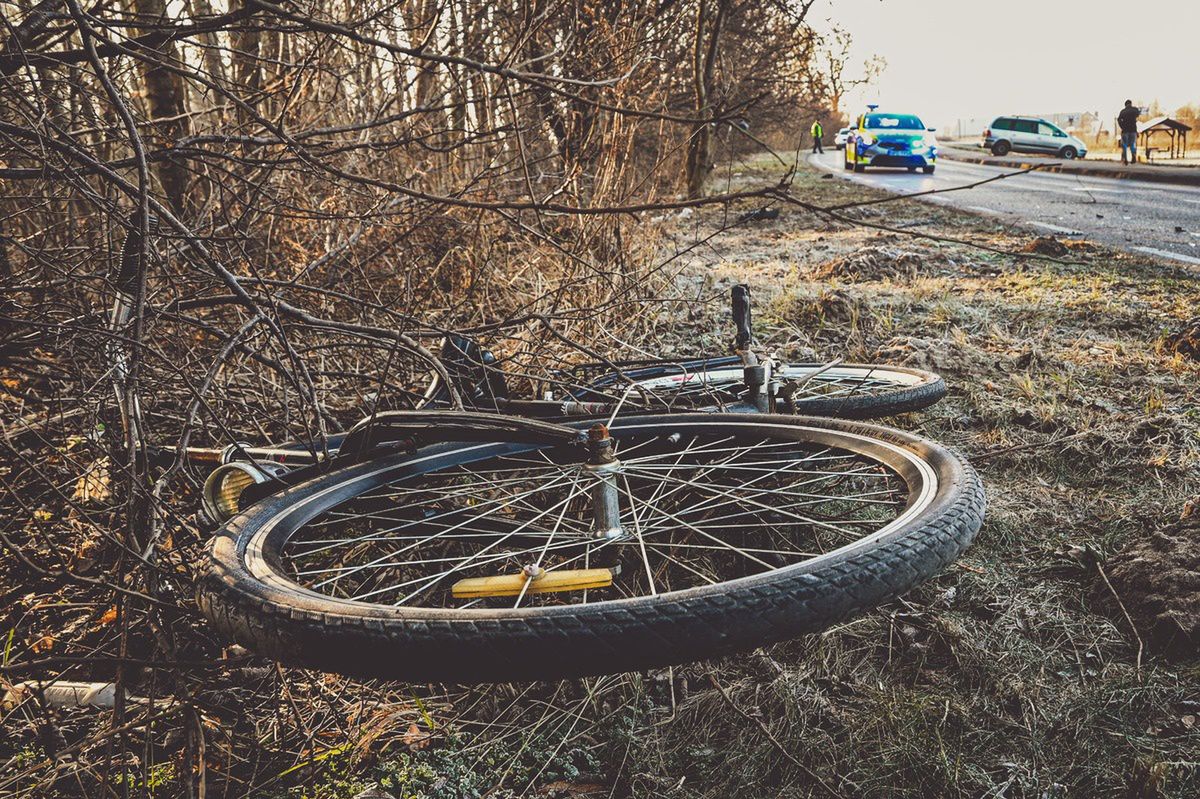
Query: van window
x=1025 y=126
x=1045 y=129
x=1003 y=123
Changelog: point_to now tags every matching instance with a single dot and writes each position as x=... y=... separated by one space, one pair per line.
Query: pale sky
x=951 y=59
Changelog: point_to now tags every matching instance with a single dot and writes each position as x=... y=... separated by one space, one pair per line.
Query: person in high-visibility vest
x=817 y=133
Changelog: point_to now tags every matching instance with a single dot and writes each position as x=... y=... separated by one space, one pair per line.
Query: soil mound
x=874 y=263
x=1046 y=245
x=1186 y=341
x=1158 y=581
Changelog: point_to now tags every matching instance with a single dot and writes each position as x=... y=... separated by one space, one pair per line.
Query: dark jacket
x=1127 y=119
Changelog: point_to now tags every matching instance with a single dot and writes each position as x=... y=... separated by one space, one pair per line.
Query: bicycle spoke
x=695 y=507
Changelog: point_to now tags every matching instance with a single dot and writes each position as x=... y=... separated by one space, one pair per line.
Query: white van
x=1031 y=135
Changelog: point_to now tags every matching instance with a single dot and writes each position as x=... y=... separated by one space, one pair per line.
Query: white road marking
x=1187 y=259
x=1066 y=231
x=1060 y=177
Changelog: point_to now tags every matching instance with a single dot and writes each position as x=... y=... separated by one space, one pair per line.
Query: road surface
x=1149 y=218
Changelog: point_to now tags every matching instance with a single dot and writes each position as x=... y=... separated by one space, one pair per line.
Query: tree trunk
x=165 y=98
x=247 y=76
x=704 y=60
x=210 y=43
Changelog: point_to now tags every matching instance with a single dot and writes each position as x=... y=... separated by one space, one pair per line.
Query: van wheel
x=1069 y=153
x=1001 y=148
x=911 y=169
x=928 y=170
x=860 y=167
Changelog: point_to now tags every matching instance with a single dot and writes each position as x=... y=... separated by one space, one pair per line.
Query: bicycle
x=486 y=547
x=472 y=546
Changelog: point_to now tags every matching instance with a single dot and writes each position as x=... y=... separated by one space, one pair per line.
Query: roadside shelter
x=1174 y=132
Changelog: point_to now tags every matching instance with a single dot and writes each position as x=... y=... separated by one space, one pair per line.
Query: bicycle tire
x=245 y=594
x=898 y=389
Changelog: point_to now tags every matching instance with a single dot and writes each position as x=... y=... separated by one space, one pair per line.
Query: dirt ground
x=1039 y=666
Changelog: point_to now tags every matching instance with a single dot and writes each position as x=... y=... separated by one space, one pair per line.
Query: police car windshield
x=894 y=122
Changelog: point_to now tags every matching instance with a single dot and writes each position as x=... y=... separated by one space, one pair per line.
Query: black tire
x=860 y=167
x=1069 y=153
x=912 y=389
x=928 y=170
x=1001 y=148
x=263 y=610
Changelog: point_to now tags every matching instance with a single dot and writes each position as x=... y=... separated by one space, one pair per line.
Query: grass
x=1002 y=677
x=997 y=679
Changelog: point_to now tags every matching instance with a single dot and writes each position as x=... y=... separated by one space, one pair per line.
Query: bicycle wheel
x=847 y=390
x=507 y=560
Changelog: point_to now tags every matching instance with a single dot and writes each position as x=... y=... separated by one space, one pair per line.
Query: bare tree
x=336 y=184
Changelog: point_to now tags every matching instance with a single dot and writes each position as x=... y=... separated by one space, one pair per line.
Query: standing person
x=817 y=133
x=1127 y=122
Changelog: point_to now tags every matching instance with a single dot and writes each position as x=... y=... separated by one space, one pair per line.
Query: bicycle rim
x=702 y=503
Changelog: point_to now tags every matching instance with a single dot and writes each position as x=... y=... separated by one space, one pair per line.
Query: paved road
x=1143 y=217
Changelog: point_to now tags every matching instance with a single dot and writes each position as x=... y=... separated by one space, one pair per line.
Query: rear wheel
x=1001 y=148
x=860 y=167
x=849 y=390
x=928 y=170
x=490 y=561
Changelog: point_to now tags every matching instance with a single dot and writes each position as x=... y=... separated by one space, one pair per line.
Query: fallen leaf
x=414 y=738
x=92 y=486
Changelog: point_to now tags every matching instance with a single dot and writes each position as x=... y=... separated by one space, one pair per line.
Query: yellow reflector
x=545 y=583
x=222 y=496
x=233 y=483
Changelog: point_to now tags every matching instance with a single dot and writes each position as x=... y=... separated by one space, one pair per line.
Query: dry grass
x=998 y=679
x=1001 y=677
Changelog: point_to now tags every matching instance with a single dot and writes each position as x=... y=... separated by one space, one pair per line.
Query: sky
x=952 y=59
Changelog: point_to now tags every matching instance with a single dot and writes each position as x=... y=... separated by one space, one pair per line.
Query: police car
x=897 y=140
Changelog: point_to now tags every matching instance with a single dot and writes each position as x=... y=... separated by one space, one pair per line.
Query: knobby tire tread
x=600 y=638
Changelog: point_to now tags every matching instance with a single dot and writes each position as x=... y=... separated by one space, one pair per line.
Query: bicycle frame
x=484 y=387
